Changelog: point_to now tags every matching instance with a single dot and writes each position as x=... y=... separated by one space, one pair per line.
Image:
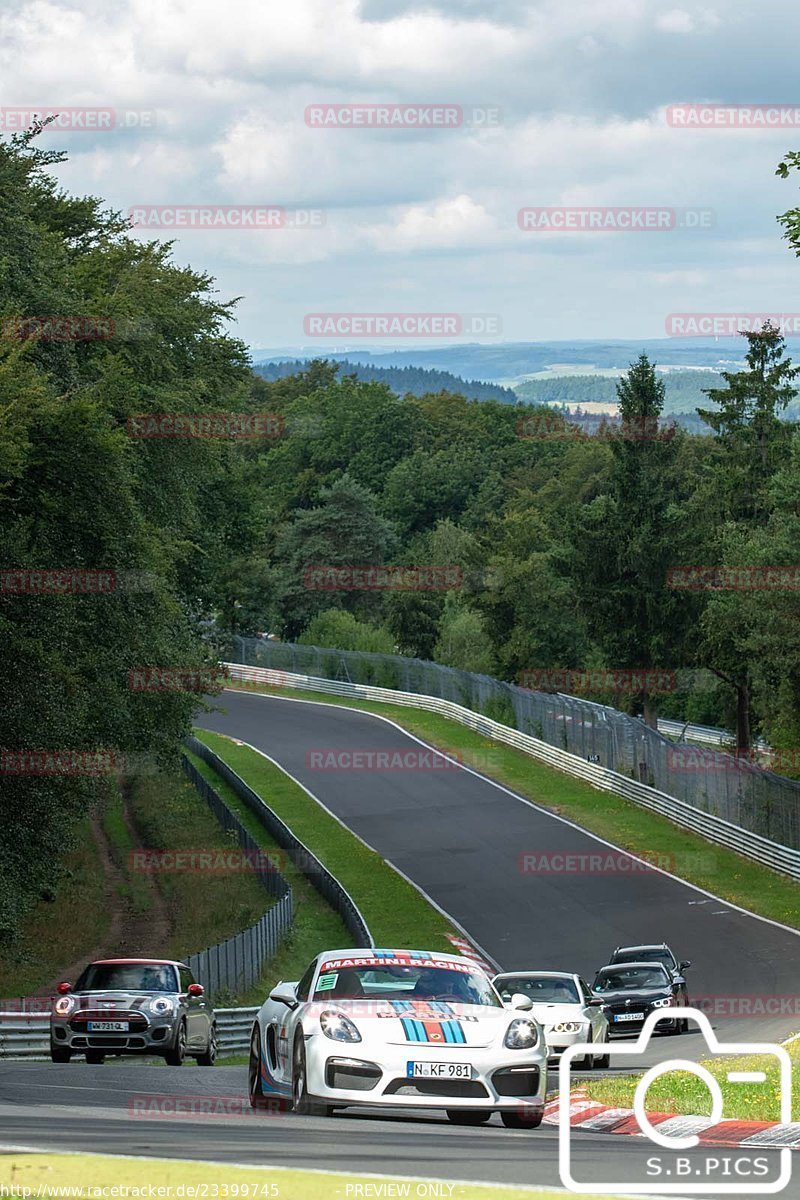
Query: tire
x=604 y=1061
x=210 y=1056
x=301 y=1101
x=255 y=1087
x=588 y=1061
x=516 y=1120
x=59 y=1054
x=466 y=1116
x=176 y=1056
x=95 y=1058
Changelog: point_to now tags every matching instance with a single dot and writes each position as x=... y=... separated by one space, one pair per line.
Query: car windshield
x=657 y=956
x=379 y=981
x=128 y=977
x=623 y=979
x=542 y=989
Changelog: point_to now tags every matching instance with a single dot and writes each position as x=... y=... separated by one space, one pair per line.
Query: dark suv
x=149 y=1006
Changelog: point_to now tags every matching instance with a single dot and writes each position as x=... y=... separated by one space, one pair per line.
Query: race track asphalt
x=462 y=838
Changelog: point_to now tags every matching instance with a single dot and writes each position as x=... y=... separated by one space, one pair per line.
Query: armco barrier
x=750 y=845
x=237 y=963
x=729 y=787
x=307 y=862
x=26 y=1035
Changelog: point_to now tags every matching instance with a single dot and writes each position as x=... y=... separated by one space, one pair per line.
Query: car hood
x=117 y=1001
x=635 y=997
x=553 y=1014
x=422 y=1023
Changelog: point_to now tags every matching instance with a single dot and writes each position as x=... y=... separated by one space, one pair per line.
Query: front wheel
x=210 y=1056
x=301 y=1100
x=587 y=1062
x=603 y=1061
x=522 y=1120
x=466 y=1116
x=177 y=1055
x=59 y=1054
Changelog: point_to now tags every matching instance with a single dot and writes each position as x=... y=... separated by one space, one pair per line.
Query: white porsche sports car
x=398 y=1028
x=564 y=1007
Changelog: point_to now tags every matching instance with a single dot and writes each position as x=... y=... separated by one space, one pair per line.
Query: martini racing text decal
x=336 y=964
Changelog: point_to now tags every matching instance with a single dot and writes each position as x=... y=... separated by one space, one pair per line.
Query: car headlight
x=64 y=1005
x=338 y=1027
x=521 y=1035
x=567 y=1027
x=666 y=1002
x=161 y=1006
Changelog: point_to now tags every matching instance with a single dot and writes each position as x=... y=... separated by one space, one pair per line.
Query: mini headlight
x=666 y=1002
x=64 y=1005
x=521 y=1035
x=161 y=1005
x=567 y=1027
x=338 y=1027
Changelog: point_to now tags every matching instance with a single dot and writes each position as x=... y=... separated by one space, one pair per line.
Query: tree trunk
x=742 y=717
x=650 y=707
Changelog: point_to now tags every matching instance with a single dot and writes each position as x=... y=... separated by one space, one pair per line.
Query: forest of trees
x=566 y=545
x=414 y=381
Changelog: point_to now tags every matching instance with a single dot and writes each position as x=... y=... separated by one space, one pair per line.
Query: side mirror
x=196 y=990
x=521 y=1002
x=284 y=993
x=682 y=966
x=63 y=988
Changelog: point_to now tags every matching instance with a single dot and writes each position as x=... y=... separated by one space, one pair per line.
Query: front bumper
x=351 y=1074
x=621 y=1028
x=557 y=1043
x=147 y=1034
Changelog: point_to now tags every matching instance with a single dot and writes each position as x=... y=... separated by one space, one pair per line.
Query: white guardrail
x=715 y=829
x=27 y=1035
x=703 y=733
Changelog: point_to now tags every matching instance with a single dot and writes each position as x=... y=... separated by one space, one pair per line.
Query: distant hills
x=416 y=380
x=683 y=390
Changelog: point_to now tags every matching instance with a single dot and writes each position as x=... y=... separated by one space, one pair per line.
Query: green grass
x=133 y=890
x=682 y=1092
x=94 y=1175
x=315 y=926
x=620 y=821
x=396 y=913
x=58 y=930
x=204 y=907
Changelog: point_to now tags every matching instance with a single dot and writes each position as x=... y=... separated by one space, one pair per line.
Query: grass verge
x=396 y=913
x=133 y=890
x=620 y=821
x=315 y=924
x=59 y=929
x=683 y=1093
x=205 y=907
x=25 y=1173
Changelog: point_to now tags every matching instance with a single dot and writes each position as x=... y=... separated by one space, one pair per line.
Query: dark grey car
x=128 y=1006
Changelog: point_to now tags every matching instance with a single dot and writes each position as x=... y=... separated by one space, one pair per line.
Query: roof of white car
x=417 y=956
x=538 y=974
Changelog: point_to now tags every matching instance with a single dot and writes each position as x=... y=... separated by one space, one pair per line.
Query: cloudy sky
x=559 y=105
